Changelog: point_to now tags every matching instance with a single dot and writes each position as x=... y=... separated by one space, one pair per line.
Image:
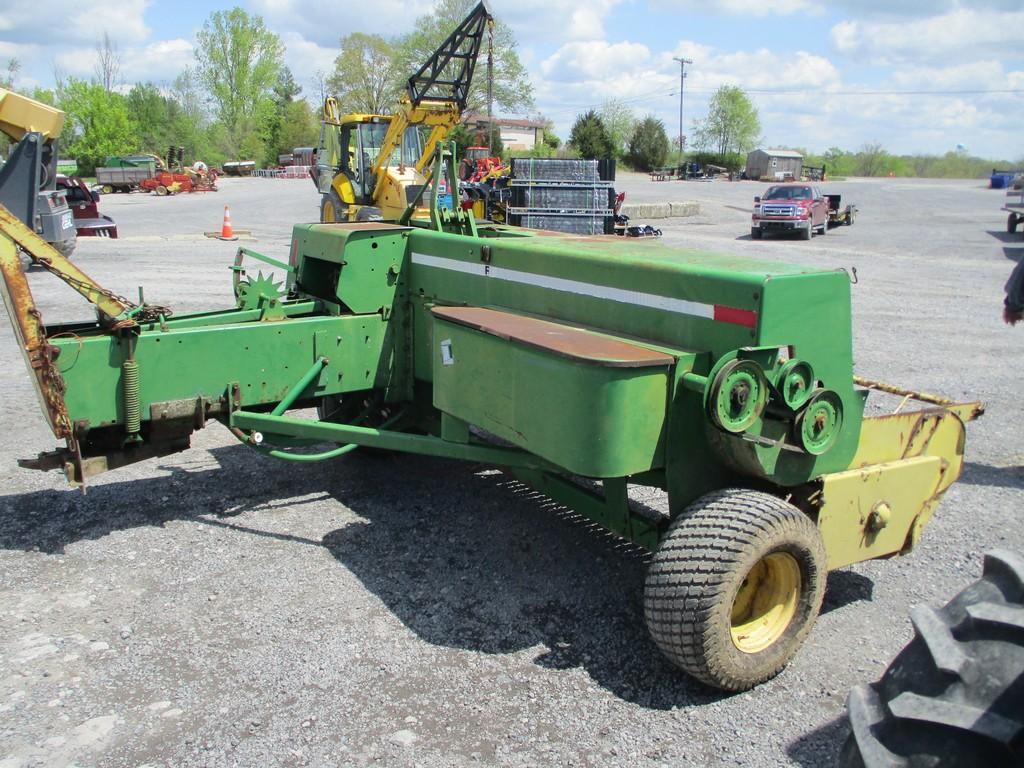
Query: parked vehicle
x=125 y=178
x=837 y=214
x=82 y=201
x=799 y=208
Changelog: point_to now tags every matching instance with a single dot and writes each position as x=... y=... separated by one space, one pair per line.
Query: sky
x=917 y=76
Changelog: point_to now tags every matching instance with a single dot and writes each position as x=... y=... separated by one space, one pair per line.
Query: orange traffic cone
x=226 y=233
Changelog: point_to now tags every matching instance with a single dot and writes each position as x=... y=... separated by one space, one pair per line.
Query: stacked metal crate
x=563 y=195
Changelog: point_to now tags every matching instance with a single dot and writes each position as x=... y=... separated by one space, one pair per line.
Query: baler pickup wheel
x=735 y=587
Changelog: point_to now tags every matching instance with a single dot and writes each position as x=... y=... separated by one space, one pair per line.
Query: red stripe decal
x=744 y=317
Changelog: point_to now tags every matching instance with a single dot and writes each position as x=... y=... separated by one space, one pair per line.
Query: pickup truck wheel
x=755 y=233
x=735 y=587
x=1011 y=223
x=805 y=234
x=953 y=696
x=824 y=228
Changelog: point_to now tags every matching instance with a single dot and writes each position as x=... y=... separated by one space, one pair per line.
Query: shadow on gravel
x=1014 y=254
x=463 y=555
x=844 y=588
x=999 y=477
x=821 y=746
x=1005 y=237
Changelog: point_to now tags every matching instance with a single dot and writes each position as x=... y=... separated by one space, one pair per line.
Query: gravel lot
x=217 y=608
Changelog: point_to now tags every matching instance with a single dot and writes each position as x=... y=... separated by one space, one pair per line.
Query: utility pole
x=682 y=82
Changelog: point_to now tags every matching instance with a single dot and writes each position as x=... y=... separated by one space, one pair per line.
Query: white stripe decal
x=679 y=306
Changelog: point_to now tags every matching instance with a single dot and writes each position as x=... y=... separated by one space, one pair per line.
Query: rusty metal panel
x=562 y=340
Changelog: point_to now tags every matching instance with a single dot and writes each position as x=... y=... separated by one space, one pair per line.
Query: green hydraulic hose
x=333 y=453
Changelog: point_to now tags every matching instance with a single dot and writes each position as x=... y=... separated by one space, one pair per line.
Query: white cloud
x=123 y=20
x=558 y=20
x=305 y=58
x=748 y=8
x=931 y=39
x=325 y=22
x=594 y=60
x=159 y=62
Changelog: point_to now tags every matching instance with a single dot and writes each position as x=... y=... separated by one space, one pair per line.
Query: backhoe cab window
x=373 y=134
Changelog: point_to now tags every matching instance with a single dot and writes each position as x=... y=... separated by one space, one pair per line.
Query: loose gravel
x=216 y=608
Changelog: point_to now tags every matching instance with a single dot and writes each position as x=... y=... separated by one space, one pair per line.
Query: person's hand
x=1012 y=317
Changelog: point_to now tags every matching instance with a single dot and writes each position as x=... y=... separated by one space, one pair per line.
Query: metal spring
x=130 y=387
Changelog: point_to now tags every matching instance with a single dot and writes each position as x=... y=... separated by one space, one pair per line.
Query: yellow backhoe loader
x=372 y=167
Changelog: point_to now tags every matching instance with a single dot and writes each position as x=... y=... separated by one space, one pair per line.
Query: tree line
x=238 y=101
x=732 y=128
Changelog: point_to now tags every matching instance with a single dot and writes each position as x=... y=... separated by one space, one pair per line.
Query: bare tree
x=108 y=62
x=11 y=73
x=320 y=84
x=871 y=159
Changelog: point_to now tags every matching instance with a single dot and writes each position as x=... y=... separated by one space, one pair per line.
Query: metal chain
x=145 y=313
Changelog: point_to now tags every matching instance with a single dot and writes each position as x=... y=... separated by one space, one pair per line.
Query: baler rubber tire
x=338 y=208
x=704 y=559
x=954 y=696
x=755 y=233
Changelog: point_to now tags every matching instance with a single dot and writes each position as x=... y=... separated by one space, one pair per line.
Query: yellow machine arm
x=20 y=115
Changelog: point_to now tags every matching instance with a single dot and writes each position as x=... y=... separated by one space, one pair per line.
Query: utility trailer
x=838 y=215
x=121 y=178
x=582 y=366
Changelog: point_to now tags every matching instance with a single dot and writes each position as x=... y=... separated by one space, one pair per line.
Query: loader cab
x=352 y=148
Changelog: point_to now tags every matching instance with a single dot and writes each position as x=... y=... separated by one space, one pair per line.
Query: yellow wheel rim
x=329 y=215
x=766 y=602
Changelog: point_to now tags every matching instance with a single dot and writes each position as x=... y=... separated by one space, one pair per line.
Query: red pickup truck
x=798 y=208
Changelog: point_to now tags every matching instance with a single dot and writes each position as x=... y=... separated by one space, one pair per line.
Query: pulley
x=795 y=381
x=818 y=425
x=737 y=395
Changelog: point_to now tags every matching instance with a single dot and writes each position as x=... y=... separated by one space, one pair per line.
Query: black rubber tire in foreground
x=703 y=560
x=954 y=697
x=755 y=233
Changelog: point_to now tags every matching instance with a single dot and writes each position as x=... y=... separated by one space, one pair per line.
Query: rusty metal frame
x=968 y=411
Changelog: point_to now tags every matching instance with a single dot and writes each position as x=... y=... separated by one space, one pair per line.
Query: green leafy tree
x=620 y=123
x=292 y=123
x=97 y=123
x=153 y=117
x=590 y=138
x=238 y=61
x=731 y=126
x=648 y=146
x=513 y=91
x=366 y=78
x=551 y=140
